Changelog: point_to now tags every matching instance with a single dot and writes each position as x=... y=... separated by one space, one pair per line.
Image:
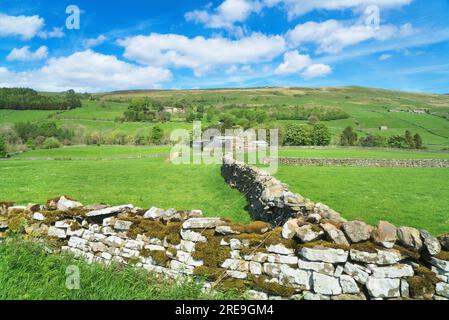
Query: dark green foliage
x=157 y=134
x=35 y=134
x=304 y=113
x=28 y=99
x=348 y=137
x=2 y=148
x=321 y=135
x=373 y=141
x=51 y=143
x=406 y=141
x=417 y=140
x=298 y=135
x=145 y=110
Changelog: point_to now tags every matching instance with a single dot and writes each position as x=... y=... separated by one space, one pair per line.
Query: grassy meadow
x=404 y=196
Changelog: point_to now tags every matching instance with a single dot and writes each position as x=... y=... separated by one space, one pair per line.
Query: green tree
x=348 y=137
x=157 y=134
x=51 y=143
x=297 y=135
x=398 y=142
x=373 y=141
x=2 y=148
x=409 y=139
x=417 y=140
x=321 y=135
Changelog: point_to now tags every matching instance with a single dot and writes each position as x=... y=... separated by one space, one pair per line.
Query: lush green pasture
x=28 y=272
x=360 y=154
x=142 y=182
x=405 y=196
x=94 y=152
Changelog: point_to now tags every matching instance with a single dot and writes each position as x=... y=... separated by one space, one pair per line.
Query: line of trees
x=28 y=99
x=306 y=135
x=407 y=141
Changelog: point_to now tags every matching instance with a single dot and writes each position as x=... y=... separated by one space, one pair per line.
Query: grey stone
x=235 y=264
x=359 y=273
x=335 y=234
x=357 y=231
x=394 y=271
x=405 y=289
x=122 y=225
x=225 y=230
x=326 y=213
x=320 y=267
x=279 y=258
x=382 y=257
x=193 y=236
x=38 y=216
x=187 y=258
x=310 y=296
x=154 y=213
x=295 y=277
x=348 y=285
x=442 y=289
x=109 y=211
x=384 y=234
x=306 y=233
x=272 y=269
x=57 y=233
x=289 y=229
x=313 y=218
x=327 y=285
x=65 y=204
x=431 y=243
x=444 y=241
x=441 y=264
x=324 y=254
x=235 y=244
x=383 y=288
x=202 y=223
x=255 y=295
x=280 y=249
x=410 y=238
x=237 y=274
x=255 y=268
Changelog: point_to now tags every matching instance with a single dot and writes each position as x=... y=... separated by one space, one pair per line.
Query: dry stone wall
x=404 y=163
x=313 y=255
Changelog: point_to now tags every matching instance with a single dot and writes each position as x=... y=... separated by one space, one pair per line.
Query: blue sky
x=393 y=44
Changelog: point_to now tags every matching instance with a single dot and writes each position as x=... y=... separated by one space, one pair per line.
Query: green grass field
x=28 y=272
x=94 y=152
x=404 y=196
x=360 y=153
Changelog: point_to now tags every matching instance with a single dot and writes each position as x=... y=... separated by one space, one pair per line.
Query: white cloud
x=201 y=54
x=302 y=65
x=293 y=63
x=23 y=26
x=24 y=54
x=92 y=42
x=332 y=36
x=297 y=8
x=316 y=70
x=86 y=71
x=385 y=56
x=226 y=14
x=55 y=33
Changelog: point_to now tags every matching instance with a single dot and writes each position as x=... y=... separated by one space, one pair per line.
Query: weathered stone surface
x=357 y=231
x=410 y=238
x=289 y=229
x=181 y=267
x=307 y=233
x=324 y=254
x=56 y=233
x=279 y=258
x=383 y=288
x=349 y=297
x=382 y=257
x=394 y=271
x=255 y=268
x=187 y=258
x=441 y=264
x=310 y=296
x=65 y=204
x=405 y=289
x=154 y=213
x=235 y=244
x=113 y=241
x=202 y=223
x=272 y=269
x=193 y=236
x=320 y=267
x=313 y=218
x=442 y=289
x=109 y=211
x=324 y=284
x=359 y=273
x=38 y=216
x=334 y=234
x=237 y=274
x=384 y=234
x=63 y=224
x=280 y=249
x=235 y=264
x=225 y=230
x=326 y=213
x=298 y=278
x=444 y=241
x=255 y=295
x=431 y=243
x=122 y=225
x=257 y=257
x=195 y=214
x=348 y=285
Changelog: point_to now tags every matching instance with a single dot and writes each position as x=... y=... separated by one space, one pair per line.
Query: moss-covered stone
x=210 y=273
x=443 y=255
x=257 y=227
x=420 y=287
x=273 y=237
x=415 y=255
x=17 y=223
x=323 y=244
x=271 y=287
x=154 y=229
x=367 y=246
x=211 y=252
x=160 y=257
